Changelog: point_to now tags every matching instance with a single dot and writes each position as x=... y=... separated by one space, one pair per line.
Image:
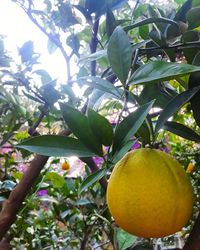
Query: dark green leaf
x=120 y=54
x=181 y=14
x=194 y=81
x=160 y=71
x=150 y=21
x=101 y=128
x=110 y=22
x=174 y=105
x=193 y=17
x=79 y=125
x=182 y=130
x=91 y=179
x=130 y=125
x=189 y=37
x=55 y=145
x=160 y=92
x=100 y=84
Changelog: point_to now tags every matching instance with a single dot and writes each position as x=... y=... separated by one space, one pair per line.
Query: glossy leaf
x=100 y=84
x=189 y=37
x=193 y=17
x=181 y=14
x=79 y=125
x=161 y=71
x=91 y=179
x=182 y=130
x=101 y=127
x=150 y=21
x=120 y=54
x=130 y=125
x=195 y=100
x=174 y=105
x=55 y=145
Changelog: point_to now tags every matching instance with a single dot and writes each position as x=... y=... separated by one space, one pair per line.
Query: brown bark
x=193 y=241
x=4 y=245
x=12 y=205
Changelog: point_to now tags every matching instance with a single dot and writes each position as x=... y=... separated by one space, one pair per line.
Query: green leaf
x=150 y=21
x=91 y=179
x=130 y=125
x=56 y=180
x=94 y=56
x=100 y=84
x=124 y=239
x=79 y=125
x=174 y=105
x=119 y=154
x=110 y=22
x=55 y=145
x=160 y=71
x=101 y=128
x=181 y=14
x=182 y=130
x=120 y=54
x=189 y=37
x=193 y=18
x=160 y=92
x=195 y=100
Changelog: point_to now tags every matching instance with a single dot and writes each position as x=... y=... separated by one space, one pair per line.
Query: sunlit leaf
x=161 y=71
x=57 y=180
x=124 y=239
x=100 y=84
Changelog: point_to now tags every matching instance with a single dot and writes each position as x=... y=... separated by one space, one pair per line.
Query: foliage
x=138 y=69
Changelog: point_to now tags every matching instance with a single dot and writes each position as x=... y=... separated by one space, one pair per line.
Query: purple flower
x=98 y=161
x=42 y=192
x=135 y=145
x=22 y=167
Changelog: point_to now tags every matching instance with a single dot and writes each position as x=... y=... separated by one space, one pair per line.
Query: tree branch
x=54 y=38
x=12 y=205
x=93 y=44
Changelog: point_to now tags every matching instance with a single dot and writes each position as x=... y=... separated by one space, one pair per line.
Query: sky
x=18 y=29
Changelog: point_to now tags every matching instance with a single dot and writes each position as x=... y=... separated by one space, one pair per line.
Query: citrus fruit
x=65 y=166
x=149 y=194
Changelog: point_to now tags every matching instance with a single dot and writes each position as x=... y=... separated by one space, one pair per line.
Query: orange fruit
x=65 y=166
x=149 y=194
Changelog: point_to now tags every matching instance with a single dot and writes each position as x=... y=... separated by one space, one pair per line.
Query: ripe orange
x=65 y=166
x=149 y=194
